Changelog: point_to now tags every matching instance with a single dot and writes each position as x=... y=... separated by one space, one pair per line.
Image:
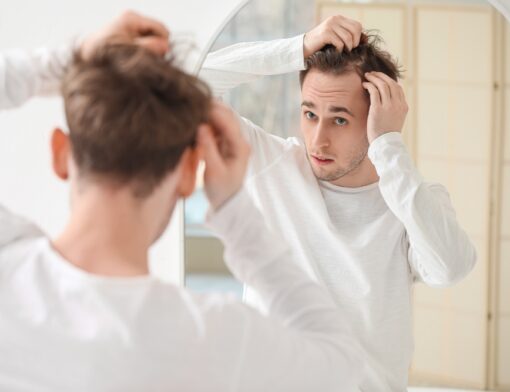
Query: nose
x=321 y=136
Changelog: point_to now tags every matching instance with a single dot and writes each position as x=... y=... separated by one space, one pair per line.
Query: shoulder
x=15 y=228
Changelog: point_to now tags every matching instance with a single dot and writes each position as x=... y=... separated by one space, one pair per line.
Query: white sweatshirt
x=366 y=245
x=62 y=329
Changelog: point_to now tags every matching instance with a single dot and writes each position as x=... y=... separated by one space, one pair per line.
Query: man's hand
x=343 y=33
x=388 y=106
x=130 y=28
x=226 y=155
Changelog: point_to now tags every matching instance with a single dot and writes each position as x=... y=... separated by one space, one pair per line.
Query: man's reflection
x=347 y=196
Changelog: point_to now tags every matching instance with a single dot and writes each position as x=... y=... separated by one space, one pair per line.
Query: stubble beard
x=341 y=172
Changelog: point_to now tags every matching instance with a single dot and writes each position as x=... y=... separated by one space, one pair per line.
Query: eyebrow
x=332 y=109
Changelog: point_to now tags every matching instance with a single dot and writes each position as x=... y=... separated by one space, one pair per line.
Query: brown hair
x=366 y=57
x=131 y=114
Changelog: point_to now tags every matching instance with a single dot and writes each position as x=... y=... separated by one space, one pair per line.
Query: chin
x=323 y=175
x=330 y=175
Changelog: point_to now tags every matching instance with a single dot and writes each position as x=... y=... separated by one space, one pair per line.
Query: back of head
x=366 y=57
x=131 y=115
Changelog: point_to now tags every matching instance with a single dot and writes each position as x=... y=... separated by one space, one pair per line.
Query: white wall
x=27 y=184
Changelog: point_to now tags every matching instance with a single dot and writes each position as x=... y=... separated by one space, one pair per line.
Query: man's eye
x=340 y=121
x=309 y=115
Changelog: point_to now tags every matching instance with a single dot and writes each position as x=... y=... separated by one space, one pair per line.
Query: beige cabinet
x=456 y=63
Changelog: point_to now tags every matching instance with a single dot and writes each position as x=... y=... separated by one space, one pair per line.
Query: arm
x=24 y=75
x=440 y=251
x=245 y=62
x=304 y=344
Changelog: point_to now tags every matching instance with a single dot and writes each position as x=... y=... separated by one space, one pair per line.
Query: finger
x=345 y=36
x=156 y=45
x=355 y=28
x=148 y=26
x=336 y=41
x=207 y=142
x=375 y=98
x=382 y=86
x=402 y=94
x=395 y=88
x=227 y=125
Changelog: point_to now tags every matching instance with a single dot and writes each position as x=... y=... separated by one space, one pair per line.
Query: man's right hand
x=130 y=28
x=226 y=155
x=339 y=31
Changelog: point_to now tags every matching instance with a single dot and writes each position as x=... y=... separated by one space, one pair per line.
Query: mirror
x=204 y=267
x=457 y=83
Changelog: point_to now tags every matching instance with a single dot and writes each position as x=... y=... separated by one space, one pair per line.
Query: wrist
x=238 y=201
x=217 y=202
x=308 y=47
x=306 y=52
x=382 y=141
x=373 y=136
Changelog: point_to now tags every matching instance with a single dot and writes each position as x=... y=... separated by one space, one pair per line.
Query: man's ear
x=189 y=165
x=60 y=148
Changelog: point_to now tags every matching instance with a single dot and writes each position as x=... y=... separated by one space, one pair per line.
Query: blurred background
x=456 y=55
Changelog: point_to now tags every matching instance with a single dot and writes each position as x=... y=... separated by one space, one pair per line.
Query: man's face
x=334 y=115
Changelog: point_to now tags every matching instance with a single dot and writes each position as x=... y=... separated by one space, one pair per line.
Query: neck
x=105 y=234
x=364 y=174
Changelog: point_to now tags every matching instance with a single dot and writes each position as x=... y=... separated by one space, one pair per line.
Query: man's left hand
x=388 y=106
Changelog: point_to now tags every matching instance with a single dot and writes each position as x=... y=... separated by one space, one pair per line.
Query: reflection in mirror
x=456 y=59
x=277 y=109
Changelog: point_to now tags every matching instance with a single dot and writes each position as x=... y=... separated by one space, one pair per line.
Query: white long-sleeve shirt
x=63 y=329
x=25 y=74
x=367 y=245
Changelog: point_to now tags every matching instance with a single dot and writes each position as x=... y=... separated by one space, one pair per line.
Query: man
x=80 y=312
x=359 y=217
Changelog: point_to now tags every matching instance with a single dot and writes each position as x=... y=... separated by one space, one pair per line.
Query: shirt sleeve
x=305 y=343
x=266 y=147
x=24 y=74
x=440 y=252
x=245 y=62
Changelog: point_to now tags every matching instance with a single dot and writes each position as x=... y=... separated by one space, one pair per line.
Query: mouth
x=321 y=160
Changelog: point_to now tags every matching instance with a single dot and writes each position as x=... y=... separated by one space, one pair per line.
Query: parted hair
x=131 y=114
